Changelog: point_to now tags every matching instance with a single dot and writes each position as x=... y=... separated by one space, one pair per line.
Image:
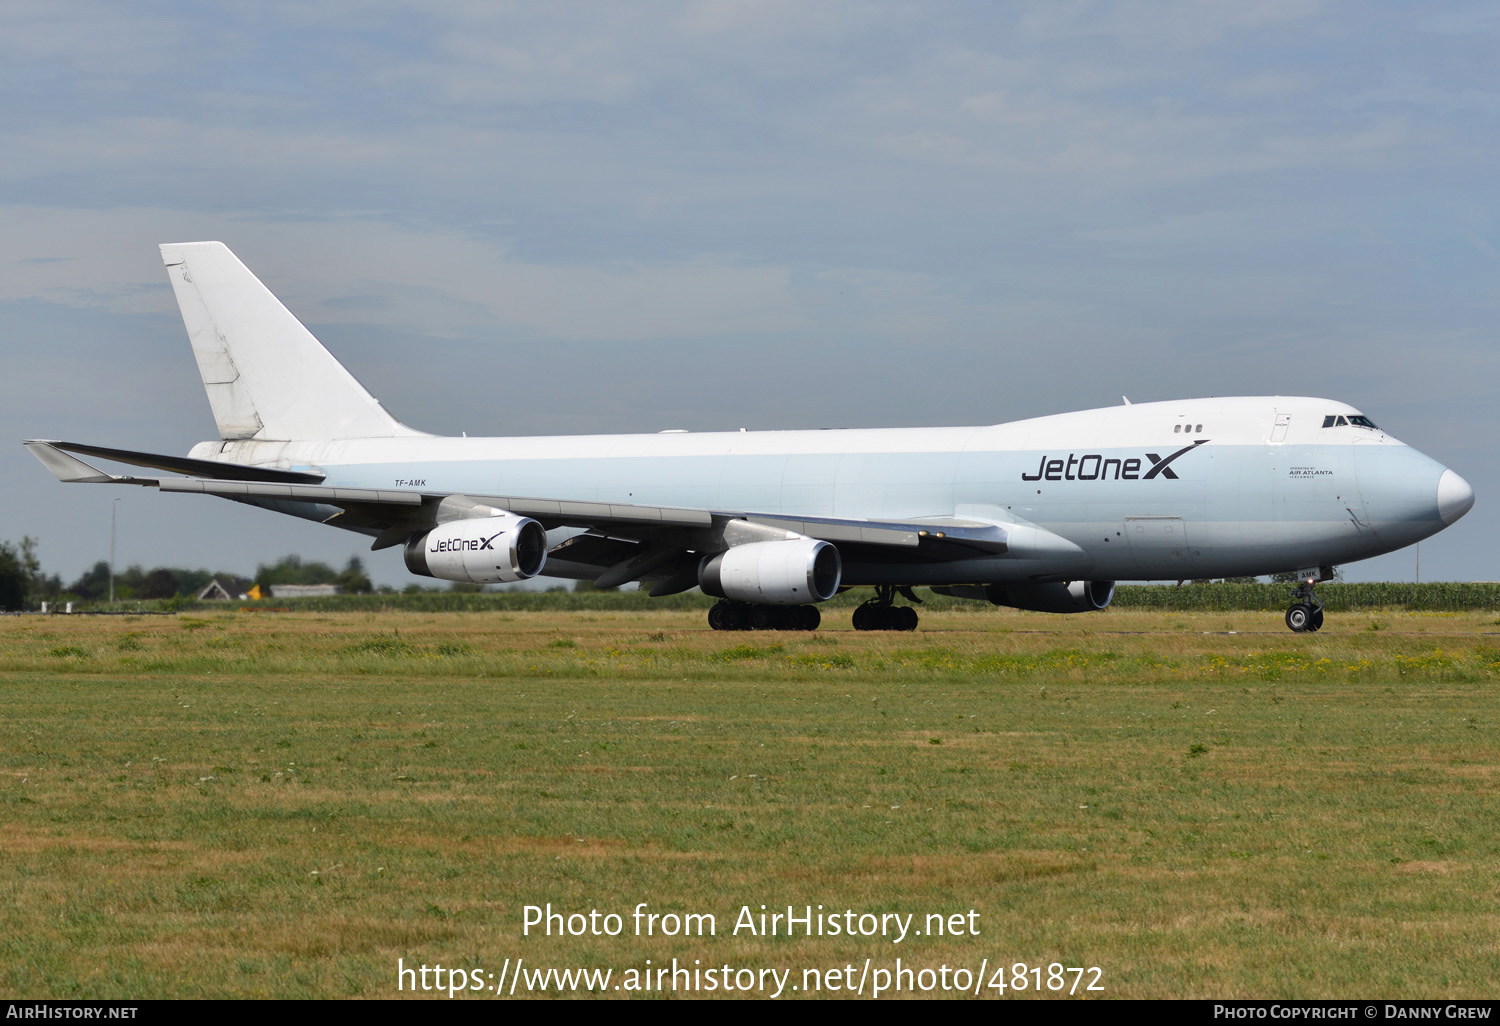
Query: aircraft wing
x=624 y=541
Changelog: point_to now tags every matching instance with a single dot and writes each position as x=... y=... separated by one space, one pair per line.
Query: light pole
x=113 y=506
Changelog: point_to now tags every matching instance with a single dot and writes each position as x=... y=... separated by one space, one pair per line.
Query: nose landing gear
x=1306 y=612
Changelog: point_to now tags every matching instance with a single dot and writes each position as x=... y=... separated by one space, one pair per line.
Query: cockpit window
x=1356 y=420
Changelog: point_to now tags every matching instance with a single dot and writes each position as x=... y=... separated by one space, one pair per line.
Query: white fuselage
x=1168 y=490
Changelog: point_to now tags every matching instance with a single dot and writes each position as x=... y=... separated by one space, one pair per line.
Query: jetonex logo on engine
x=464 y=544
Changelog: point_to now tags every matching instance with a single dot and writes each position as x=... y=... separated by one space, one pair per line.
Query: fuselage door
x=1160 y=546
x=1278 y=433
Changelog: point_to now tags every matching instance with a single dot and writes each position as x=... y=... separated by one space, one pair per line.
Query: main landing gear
x=882 y=614
x=727 y=615
x=1306 y=612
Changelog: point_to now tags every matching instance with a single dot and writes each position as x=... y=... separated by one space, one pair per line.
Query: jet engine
x=495 y=549
x=776 y=573
x=1069 y=597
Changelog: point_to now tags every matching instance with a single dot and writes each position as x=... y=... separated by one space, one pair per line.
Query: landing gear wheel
x=1299 y=617
x=718 y=616
x=727 y=616
x=879 y=614
x=1306 y=612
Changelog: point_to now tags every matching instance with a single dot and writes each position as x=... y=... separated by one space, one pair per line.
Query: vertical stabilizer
x=267 y=377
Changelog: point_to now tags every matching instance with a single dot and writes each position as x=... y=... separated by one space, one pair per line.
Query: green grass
x=282 y=806
x=1439 y=596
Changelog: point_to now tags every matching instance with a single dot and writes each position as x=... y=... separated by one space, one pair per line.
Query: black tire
x=719 y=617
x=1315 y=622
x=764 y=618
x=905 y=618
x=1299 y=616
x=810 y=618
x=862 y=618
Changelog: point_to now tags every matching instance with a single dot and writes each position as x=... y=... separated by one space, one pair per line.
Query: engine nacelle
x=776 y=573
x=1073 y=597
x=1069 y=597
x=496 y=549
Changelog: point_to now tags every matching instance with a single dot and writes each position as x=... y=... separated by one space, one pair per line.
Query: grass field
x=283 y=805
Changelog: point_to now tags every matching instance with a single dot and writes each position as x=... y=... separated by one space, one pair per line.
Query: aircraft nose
x=1454 y=497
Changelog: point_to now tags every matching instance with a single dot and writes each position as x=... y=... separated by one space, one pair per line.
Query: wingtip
x=66 y=468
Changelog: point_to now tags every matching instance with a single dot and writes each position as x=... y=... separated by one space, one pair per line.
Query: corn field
x=1438 y=596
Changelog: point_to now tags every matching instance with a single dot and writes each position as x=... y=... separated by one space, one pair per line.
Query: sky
x=520 y=218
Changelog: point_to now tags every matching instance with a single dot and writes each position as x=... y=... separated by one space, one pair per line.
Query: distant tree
x=129 y=582
x=93 y=583
x=46 y=586
x=589 y=586
x=291 y=570
x=353 y=580
x=21 y=578
x=466 y=587
x=160 y=583
x=190 y=582
x=14 y=580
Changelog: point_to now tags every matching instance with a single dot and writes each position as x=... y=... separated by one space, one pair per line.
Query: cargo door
x=1159 y=545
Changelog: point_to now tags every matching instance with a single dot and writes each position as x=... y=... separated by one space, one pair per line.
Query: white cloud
x=947 y=204
x=94 y=38
x=1159 y=24
x=433 y=282
x=1269 y=84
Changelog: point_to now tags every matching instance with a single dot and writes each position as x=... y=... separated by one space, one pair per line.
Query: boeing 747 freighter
x=1041 y=514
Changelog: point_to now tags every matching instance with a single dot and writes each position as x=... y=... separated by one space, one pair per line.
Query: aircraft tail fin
x=267 y=376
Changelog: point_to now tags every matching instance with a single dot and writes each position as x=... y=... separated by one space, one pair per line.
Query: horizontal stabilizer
x=187 y=465
x=67 y=468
